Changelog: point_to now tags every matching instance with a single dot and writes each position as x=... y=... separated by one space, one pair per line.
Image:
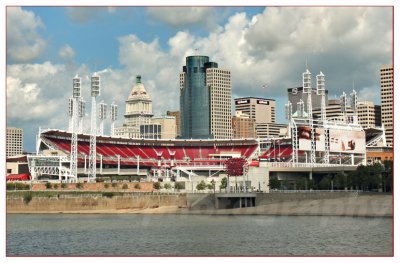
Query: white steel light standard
x=102 y=116
x=288 y=115
x=308 y=90
x=70 y=113
x=114 y=112
x=76 y=95
x=353 y=103
x=81 y=114
x=321 y=92
x=95 y=91
x=343 y=106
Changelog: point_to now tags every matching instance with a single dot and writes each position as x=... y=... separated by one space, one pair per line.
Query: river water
x=195 y=235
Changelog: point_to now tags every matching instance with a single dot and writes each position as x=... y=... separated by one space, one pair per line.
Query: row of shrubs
x=80 y=186
x=18 y=186
x=156 y=185
x=177 y=186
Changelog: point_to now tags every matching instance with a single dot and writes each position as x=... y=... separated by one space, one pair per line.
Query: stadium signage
x=265 y=102
x=242 y=101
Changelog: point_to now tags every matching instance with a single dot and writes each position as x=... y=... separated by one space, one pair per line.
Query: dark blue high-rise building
x=195 y=98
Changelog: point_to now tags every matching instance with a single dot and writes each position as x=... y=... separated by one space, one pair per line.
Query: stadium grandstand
x=312 y=146
x=142 y=156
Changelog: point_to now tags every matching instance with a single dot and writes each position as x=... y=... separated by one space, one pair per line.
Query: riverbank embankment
x=312 y=203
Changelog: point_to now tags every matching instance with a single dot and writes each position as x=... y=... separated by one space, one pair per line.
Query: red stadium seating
x=198 y=153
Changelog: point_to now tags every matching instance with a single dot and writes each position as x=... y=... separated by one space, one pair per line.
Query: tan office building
x=14 y=141
x=177 y=116
x=366 y=114
x=259 y=109
x=386 y=73
x=168 y=126
x=219 y=83
x=243 y=126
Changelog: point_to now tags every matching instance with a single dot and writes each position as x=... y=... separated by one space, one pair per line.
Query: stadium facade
x=311 y=147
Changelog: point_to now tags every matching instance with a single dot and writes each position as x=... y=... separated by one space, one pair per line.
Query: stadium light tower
x=71 y=113
x=76 y=95
x=307 y=89
x=81 y=113
x=95 y=91
x=288 y=111
x=343 y=105
x=102 y=116
x=300 y=108
x=354 y=101
x=321 y=92
x=114 y=112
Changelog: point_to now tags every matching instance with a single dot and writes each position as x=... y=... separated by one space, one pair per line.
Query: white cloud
x=66 y=52
x=368 y=94
x=182 y=16
x=88 y=14
x=24 y=101
x=345 y=43
x=34 y=72
x=23 y=41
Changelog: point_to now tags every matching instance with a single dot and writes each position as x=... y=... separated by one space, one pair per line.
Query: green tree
x=387 y=175
x=201 y=186
x=157 y=185
x=325 y=183
x=137 y=186
x=125 y=186
x=179 y=185
x=108 y=194
x=167 y=186
x=48 y=185
x=274 y=183
x=339 y=181
x=27 y=197
x=211 y=185
x=224 y=183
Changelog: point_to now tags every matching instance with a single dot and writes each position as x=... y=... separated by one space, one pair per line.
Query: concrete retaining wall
x=270 y=198
x=144 y=186
x=94 y=202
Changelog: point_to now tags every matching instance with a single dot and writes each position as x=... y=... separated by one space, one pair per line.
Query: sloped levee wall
x=131 y=186
x=137 y=200
x=270 y=198
x=94 y=202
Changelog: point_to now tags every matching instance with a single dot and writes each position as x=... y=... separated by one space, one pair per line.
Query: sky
x=47 y=46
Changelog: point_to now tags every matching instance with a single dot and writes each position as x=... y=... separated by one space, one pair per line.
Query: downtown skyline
x=47 y=46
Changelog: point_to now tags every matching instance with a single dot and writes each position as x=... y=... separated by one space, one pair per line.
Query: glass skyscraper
x=205 y=100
